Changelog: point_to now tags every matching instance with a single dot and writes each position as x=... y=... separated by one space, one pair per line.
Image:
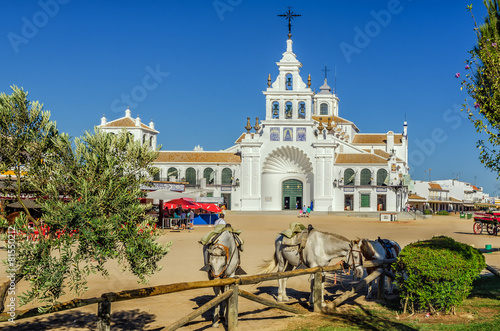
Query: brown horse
x=379 y=249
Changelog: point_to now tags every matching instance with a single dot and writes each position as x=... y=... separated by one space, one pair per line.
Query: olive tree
x=89 y=192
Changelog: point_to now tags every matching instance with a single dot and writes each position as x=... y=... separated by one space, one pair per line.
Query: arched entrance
x=292 y=193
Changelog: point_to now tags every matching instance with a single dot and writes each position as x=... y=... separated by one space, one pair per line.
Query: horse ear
x=206 y=268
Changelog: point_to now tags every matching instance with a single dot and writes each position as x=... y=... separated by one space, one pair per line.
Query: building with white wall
x=303 y=152
x=449 y=195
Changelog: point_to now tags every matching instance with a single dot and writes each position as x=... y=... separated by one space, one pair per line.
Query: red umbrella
x=210 y=207
x=184 y=204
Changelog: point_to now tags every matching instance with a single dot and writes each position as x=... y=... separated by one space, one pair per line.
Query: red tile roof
x=199 y=157
x=435 y=186
x=376 y=139
x=125 y=122
x=360 y=159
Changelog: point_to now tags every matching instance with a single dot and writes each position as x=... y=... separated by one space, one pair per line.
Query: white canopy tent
x=166 y=195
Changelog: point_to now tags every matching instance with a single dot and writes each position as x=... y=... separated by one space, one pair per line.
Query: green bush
x=436 y=274
x=443 y=212
x=427 y=212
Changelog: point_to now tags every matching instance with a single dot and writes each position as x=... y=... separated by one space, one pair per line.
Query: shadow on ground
x=366 y=320
x=120 y=321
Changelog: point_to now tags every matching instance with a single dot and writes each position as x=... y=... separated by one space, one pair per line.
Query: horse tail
x=268 y=265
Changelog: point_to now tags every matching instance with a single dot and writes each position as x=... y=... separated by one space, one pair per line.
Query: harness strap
x=226 y=250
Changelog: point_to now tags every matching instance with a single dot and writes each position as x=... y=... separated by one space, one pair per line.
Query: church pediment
x=287 y=159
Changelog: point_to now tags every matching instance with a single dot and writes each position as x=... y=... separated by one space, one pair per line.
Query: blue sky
x=204 y=64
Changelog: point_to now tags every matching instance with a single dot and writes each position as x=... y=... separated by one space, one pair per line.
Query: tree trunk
x=4 y=289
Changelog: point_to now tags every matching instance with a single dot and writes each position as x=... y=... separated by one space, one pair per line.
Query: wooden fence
x=105 y=300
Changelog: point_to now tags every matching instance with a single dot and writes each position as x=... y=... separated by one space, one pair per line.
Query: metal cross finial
x=326 y=70
x=289 y=15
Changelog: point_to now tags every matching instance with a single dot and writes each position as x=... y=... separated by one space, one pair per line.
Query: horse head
x=218 y=257
x=355 y=258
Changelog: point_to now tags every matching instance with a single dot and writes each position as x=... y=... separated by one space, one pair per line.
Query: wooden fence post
x=381 y=286
x=318 y=292
x=104 y=315
x=335 y=303
x=232 y=309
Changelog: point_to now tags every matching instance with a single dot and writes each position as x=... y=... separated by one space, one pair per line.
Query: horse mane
x=367 y=249
x=338 y=236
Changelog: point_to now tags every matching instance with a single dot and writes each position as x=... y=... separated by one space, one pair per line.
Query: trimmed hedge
x=443 y=212
x=437 y=274
x=427 y=212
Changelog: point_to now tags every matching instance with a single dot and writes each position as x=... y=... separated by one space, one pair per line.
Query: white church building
x=303 y=152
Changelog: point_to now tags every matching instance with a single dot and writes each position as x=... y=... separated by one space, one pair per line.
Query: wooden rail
x=104 y=302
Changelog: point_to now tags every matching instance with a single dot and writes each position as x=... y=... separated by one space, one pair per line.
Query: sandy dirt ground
x=184 y=260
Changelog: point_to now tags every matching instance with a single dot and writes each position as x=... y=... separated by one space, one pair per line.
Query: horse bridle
x=228 y=260
x=350 y=256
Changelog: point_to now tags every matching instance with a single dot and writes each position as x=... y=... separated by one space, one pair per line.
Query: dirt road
x=259 y=231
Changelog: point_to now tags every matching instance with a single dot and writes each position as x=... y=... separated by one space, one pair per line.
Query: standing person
x=191 y=219
x=304 y=210
x=308 y=211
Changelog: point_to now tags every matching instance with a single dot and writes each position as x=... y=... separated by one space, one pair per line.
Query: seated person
x=220 y=220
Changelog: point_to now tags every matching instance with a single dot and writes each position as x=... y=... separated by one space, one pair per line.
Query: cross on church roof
x=326 y=71
x=289 y=15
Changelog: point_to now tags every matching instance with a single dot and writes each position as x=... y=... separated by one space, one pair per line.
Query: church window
x=157 y=175
x=191 y=176
x=143 y=138
x=349 y=177
x=323 y=109
x=172 y=173
x=302 y=109
x=365 y=200
x=289 y=82
x=226 y=176
x=381 y=177
x=130 y=137
x=288 y=110
x=276 y=109
x=365 y=177
x=209 y=174
x=150 y=141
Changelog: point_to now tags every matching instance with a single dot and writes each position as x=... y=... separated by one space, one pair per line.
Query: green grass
x=481 y=311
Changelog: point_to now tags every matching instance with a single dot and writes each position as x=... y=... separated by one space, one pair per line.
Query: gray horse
x=222 y=260
x=319 y=250
x=377 y=250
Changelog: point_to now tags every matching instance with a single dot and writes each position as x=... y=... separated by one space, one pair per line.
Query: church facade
x=302 y=153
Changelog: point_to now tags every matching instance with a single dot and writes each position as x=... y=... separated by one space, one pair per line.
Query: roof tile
x=199 y=157
x=347 y=158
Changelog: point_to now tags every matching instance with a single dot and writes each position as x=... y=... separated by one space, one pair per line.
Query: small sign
x=269 y=199
x=165 y=186
x=348 y=189
x=226 y=188
x=381 y=189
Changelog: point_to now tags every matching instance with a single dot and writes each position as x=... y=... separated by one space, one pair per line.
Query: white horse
x=222 y=260
x=319 y=250
x=377 y=250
